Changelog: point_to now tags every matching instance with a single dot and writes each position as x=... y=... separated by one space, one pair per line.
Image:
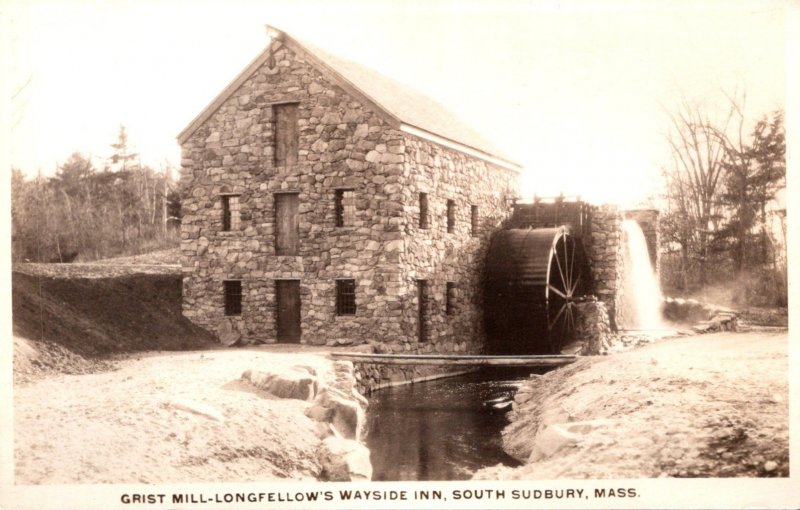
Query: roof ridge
x=401 y=105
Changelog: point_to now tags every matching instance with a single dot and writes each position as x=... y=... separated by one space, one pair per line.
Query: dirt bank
x=705 y=406
x=75 y=322
x=168 y=417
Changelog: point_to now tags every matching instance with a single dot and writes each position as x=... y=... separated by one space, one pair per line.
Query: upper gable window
x=286 y=134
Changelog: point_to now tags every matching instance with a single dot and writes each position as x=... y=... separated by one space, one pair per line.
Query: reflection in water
x=441 y=430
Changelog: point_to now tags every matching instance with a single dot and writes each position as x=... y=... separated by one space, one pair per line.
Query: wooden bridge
x=458 y=359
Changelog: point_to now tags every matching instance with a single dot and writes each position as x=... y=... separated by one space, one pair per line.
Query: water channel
x=441 y=430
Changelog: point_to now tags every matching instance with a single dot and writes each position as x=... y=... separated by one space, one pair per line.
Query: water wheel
x=534 y=278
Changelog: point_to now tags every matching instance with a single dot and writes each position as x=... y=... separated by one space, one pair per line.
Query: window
x=287 y=225
x=286 y=137
x=423 y=210
x=344 y=203
x=422 y=310
x=451 y=216
x=345 y=297
x=450 y=299
x=233 y=297
x=474 y=220
x=230 y=212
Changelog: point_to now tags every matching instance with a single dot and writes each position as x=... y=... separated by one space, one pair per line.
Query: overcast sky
x=575 y=91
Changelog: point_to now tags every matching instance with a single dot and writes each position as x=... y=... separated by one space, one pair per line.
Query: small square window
x=451 y=216
x=423 y=210
x=450 y=299
x=233 y=297
x=345 y=207
x=231 y=215
x=345 y=297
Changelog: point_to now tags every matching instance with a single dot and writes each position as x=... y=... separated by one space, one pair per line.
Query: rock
x=284 y=382
x=559 y=435
x=227 y=334
x=314 y=88
x=339 y=341
x=344 y=460
x=552 y=439
x=770 y=466
x=197 y=408
x=346 y=415
x=319 y=413
x=497 y=472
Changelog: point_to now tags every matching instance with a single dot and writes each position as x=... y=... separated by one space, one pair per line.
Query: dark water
x=441 y=430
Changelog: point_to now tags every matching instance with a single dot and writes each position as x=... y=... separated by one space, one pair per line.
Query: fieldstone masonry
x=604 y=250
x=343 y=143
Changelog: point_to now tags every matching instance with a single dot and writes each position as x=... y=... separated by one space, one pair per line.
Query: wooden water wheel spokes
x=534 y=279
x=564 y=287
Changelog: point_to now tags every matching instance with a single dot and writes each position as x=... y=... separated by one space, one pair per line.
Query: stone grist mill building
x=325 y=203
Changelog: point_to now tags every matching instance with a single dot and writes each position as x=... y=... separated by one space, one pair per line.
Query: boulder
x=549 y=441
x=345 y=414
x=227 y=334
x=344 y=460
x=559 y=435
x=284 y=382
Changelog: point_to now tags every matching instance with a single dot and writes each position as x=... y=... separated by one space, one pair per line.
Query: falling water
x=642 y=293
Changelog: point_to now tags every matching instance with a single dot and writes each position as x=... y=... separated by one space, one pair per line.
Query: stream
x=441 y=430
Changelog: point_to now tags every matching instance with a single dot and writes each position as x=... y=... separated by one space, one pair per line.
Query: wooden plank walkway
x=458 y=359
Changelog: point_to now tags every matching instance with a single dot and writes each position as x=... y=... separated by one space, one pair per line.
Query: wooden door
x=287 y=311
x=287 y=225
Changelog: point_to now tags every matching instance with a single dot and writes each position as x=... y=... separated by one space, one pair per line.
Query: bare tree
x=693 y=184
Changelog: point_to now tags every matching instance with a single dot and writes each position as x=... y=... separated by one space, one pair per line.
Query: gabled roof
x=399 y=105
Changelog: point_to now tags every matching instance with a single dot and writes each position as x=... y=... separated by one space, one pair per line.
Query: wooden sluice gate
x=458 y=359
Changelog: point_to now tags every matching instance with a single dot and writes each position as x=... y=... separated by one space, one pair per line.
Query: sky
x=578 y=92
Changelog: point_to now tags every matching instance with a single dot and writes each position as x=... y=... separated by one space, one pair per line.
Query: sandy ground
x=708 y=405
x=132 y=424
x=702 y=406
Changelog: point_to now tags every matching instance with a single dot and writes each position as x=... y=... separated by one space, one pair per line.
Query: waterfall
x=641 y=299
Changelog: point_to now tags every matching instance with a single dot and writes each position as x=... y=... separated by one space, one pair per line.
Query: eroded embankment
x=71 y=318
x=214 y=416
x=711 y=405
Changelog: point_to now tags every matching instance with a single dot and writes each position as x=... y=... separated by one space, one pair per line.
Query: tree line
x=721 y=223
x=86 y=213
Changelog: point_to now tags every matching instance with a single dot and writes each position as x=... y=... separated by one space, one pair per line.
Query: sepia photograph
x=394 y=254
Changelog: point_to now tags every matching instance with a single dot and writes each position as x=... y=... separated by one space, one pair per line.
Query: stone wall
x=604 y=250
x=375 y=376
x=342 y=144
x=593 y=328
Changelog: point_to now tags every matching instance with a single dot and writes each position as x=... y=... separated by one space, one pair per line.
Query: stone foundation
x=593 y=329
x=604 y=250
x=375 y=376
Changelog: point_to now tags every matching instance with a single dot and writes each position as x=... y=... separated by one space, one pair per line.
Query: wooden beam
x=456 y=360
